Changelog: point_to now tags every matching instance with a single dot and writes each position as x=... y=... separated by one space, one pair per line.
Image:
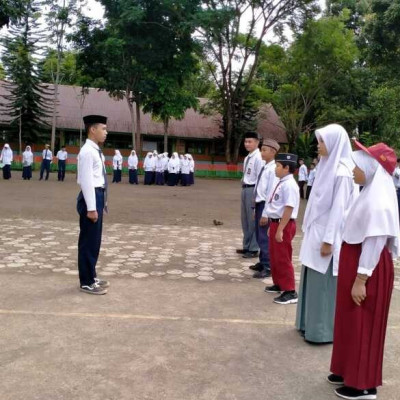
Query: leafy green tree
x=233 y=45
x=10 y=11
x=26 y=100
x=2 y=72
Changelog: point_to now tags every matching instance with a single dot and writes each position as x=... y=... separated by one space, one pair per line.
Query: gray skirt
x=316 y=305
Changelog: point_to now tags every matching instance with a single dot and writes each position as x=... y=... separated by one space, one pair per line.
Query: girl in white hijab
x=27 y=161
x=185 y=170
x=173 y=170
x=191 y=177
x=165 y=167
x=149 y=166
x=330 y=200
x=6 y=157
x=366 y=275
x=117 y=166
x=132 y=167
x=160 y=170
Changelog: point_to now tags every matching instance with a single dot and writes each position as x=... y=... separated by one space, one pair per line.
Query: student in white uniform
x=160 y=170
x=91 y=202
x=266 y=182
x=302 y=177
x=149 y=167
x=282 y=210
x=251 y=169
x=47 y=159
x=331 y=198
x=185 y=170
x=396 y=181
x=117 y=167
x=165 y=167
x=62 y=156
x=6 y=158
x=310 y=180
x=27 y=161
x=192 y=165
x=173 y=170
x=132 y=167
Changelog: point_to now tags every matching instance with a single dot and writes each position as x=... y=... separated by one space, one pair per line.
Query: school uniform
x=132 y=168
x=62 y=156
x=396 y=181
x=310 y=182
x=149 y=167
x=173 y=170
x=266 y=182
x=370 y=242
x=185 y=171
x=252 y=166
x=160 y=170
x=165 y=167
x=192 y=165
x=6 y=158
x=285 y=194
x=117 y=167
x=327 y=208
x=47 y=158
x=302 y=179
x=27 y=161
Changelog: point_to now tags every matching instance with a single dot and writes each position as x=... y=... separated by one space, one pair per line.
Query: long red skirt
x=359 y=333
x=280 y=255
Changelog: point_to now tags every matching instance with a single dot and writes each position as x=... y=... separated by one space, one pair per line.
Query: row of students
x=6 y=158
x=346 y=234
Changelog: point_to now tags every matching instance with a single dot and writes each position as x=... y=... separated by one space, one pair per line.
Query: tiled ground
x=137 y=252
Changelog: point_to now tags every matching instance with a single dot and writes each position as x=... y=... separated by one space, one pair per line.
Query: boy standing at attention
x=282 y=210
x=303 y=175
x=251 y=169
x=266 y=183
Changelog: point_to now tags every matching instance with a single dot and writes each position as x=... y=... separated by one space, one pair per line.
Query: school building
x=197 y=134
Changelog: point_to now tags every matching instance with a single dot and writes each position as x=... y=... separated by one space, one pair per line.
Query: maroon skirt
x=359 y=333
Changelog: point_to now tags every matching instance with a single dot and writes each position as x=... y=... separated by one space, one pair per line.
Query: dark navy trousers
x=262 y=237
x=45 y=167
x=133 y=178
x=89 y=238
x=61 y=170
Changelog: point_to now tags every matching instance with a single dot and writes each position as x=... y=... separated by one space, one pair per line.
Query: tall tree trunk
x=132 y=112
x=138 y=127
x=236 y=150
x=228 y=136
x=166 y=122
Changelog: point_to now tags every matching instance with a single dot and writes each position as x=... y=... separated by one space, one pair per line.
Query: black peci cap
x=287 y=158
x=94 y=119
x=251 y=135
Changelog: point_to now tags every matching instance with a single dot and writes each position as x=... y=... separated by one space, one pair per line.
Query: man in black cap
x=92 y=201
x=251 y=169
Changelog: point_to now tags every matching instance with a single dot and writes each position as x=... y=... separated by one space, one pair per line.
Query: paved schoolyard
x=183 y=318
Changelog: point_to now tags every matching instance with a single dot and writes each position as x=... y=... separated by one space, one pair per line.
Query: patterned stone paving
x=137 y=252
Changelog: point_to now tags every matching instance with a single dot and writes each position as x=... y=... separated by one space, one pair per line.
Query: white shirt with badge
x=62 y=155
x=251 y=167
x=266 y=184
x=285 y=194
x=90 y=172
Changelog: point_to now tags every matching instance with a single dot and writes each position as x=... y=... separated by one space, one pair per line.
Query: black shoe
x=250 y=254
x=347 y=392
x=262 y=274
x=241 y=251
x=94 y=288
x=288 y=297
x=272 y=289
x=256 y=267
x=335 y=379
x=103 y=284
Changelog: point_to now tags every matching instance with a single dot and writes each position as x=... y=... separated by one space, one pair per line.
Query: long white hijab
x=338 y=145
x=375 y=212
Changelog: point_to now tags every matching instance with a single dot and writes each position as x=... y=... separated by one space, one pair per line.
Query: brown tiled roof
x=193 y=125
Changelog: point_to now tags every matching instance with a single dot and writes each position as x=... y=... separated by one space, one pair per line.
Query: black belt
x=100 y=188
x=246 y=186
x=277 y=220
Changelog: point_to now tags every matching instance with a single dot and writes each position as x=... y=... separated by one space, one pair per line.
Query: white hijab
x=118 y=156
x=174 y=160
x=338 y=145
x=27 y=152
x=375 y=212
x=133 y=158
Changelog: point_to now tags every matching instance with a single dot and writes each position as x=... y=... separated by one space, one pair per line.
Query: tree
x=2 y=72
x=27 y=100
x=10 y=11
x=237 y=54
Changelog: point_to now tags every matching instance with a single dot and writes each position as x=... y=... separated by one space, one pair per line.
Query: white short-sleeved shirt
x=396 y=177
x=311 y=177
x=62 y=155
x=253 y=164
x=47 y=154
x=303 y=173
x=285 y=194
